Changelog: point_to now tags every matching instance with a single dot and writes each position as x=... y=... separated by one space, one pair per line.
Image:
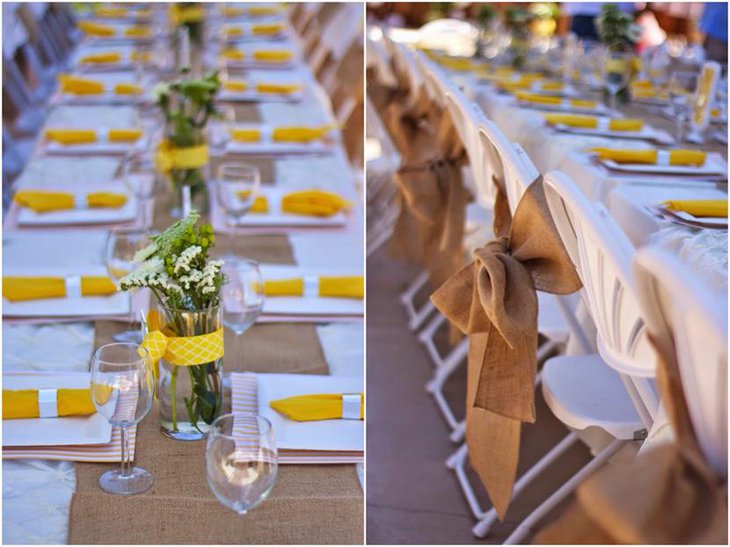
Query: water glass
x=122 y=389
x=237 y=186
x=682 y=85
x=658 y=66
x=143 y=181
x=241 y=460
x=242 y=296
x=616 y=72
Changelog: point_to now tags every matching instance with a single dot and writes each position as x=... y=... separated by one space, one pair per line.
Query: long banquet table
x=58 y=501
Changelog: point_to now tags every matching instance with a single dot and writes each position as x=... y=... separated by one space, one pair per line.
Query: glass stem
x=612 y=103
x=679 y=133
x=146 y=220
x=126 y=460
x=173 y=396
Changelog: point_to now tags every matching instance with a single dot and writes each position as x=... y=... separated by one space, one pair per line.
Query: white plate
x=714 y=165
x=308 y=305
x=78 y=430
x=565 y=106
x=317 y=435
x=647 y=133
x=99 y=215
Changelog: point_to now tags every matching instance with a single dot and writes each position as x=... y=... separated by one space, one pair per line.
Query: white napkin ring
x=311 y=286
x=73 y=286
x=351 y=406
x=47 y=403
x=80 y=202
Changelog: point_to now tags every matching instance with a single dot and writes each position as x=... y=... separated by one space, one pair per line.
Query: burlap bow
x=668 y=495
x=493 y=299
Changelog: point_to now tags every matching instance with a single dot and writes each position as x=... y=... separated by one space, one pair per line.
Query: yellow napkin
x=80 y=86
x=234 y=31
x=626 y=124
x=232 y=11
x=110 y=12
x=19 y=289
x=582 y=103
x=676 y=157
x=127 y=89
x=299 y=134
x=314 y=203
x=42 y=201
x=84 y=136
x=263 y=87
x=141 y=56
x=245 y=135
x=23 y=403
x=572 y=120
x=304 y=408
x=330 y=286
x=538 y=99
x=456 y=63
x=552 y=86
x=260 y=11
x=273 y=55
x=233 y=55
x=138 y=32
x=235 y=85
x=260 y=203
x=699 y=207
x=96 y=29
x=109 y=57
x=262 y=30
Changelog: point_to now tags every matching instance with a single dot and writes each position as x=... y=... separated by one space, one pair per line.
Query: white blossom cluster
x=151 y=274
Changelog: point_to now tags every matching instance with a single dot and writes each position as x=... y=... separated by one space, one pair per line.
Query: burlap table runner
x=493 y=300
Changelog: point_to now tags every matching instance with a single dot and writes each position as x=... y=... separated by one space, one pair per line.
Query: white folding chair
x=585 y=391
x=690 y=322
x=335 y=38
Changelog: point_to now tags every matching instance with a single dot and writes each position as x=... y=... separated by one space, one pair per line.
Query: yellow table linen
x=235 y=85
x=299 y=134
x=699 y=207
x=110 y=12
x=305 y=408
x=96 y=29
x=538 y=99
x=138 y=32
x=273 y=55
x=233 y=55
x=108 y=57
x=127 y=89
x=19 y=289
x=552 y=86
x=85 y=136
x=263 y=87
x=572 y=120
x=314 y=203
x=260 y=11
x=626 y=124
x=80 y=86
x=245 y=135
x=23 y=403
x=42 y=201
x=676 y=157
x=124 y=135
x=263 y=30
x=329 y=286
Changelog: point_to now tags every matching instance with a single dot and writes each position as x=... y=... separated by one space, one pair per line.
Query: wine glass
x=616 y=72
x=122 y=390
x=237 y=186
x=121 y=246
x=658 y=65
x=681 y=86
x=219 y=133
x=143 y=180
x=241 y=461
x=242 y=296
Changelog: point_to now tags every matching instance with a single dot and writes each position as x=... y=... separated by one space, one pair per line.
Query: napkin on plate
x=85 y=86
x=626 y=124
x=108 y=57
x=263 y=30
x=273 y=55
x=299 y=134
x=96 y=29
x=18 y=289
x=42 y=201
x=676 y=157
x=305 y=408
x=715 y=208
x=328 y=286
x=138 y=32
x=317 y=203
x=552 y=99
x=575 y=120
x=235 y=85
x=264 y=87
x=24 y=403
x=245 y=134
x=85 y=136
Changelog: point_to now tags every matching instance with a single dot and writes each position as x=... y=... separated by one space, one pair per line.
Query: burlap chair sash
x=493 y=299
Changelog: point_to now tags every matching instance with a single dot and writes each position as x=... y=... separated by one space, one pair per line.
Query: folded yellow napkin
x=232 y=11
x=299 y=134
x=234 y=31
x=23 y=403
x=699 y=207
x=19 y=289
x=572 y=120
x=260 y=11
x=233 y=55
x=582 y=103
x=96 y=29
x=552 y=86
x=109 y=57
x=84 y=136
x=304 y=408
x=314 y=203
x=263 y=87
x=110 y=12
x=138 y=32
x=642 y=84
x=538 y=99
x=330 y=286
x=676 y=157
x=80 y=86
x=513 y=86
x=626 y=124
x=42 y=201
x=235 y=85
x=273 y=55
x=141 y=56
x=263 y=30
x=127 y=89
x=245 y=135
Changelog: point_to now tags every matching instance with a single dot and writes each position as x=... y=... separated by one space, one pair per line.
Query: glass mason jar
x=189 y=397
x=194 y=178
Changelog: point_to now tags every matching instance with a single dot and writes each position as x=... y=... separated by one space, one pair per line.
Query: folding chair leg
x=416 y=317
x=457 y=435
x=435 y=386
x=457 y=462
x=481 y=529
x=564 y=491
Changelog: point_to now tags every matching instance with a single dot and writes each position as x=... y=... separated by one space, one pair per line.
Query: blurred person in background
x=583 y=13
x=714 y=25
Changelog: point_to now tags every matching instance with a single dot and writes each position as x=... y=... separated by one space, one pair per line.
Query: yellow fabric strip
x=299 y=134
x=455 y=63
x=110 y=12
x=572 y=120
x=18 y=404
x=95 y=29
x=42 y=201
x=626 y=125
x=538 y=99
x=264 y=30
x=581 y=103
x=127 y=89
x=260 y=11
x=110 y=57
x=687 y=157
x=233 y=55
x=80 y=86
x=273 y=55
x=235 y=85
x=342 y=286
x=263 y=87
x=20 y=289
x=552 y=86
x=138 y=32
x=124 y=135
x=303 y=408
x=245 y=135
x=71 y=136
x=191 y=157
x=183 y=351
x=314 y=203
x=716 y=208
x=284 y=287
x=260 y=203
x=627 y=156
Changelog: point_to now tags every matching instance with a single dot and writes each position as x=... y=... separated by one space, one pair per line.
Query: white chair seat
x=550 y=320
x=583 y=391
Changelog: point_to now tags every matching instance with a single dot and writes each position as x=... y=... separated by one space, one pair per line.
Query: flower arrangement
x=177 y=268
x=518 y=21
x=617 y=29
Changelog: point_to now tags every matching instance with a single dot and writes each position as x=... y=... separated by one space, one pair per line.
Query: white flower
x=160 y=90
x=144 y=275
x=144 y=254
x=182 y=263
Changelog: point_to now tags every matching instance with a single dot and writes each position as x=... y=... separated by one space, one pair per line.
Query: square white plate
x=308 y=305
x=317 y=435
x=99 y=215
x=714 y=165
x=77 y=430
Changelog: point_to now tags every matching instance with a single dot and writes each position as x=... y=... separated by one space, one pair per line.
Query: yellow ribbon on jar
x=170 y=157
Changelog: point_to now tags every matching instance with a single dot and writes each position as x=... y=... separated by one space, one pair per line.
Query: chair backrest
x=506 y=161
x=602 y=257
x=431 y=80
x=468 y=118
x=687 y=320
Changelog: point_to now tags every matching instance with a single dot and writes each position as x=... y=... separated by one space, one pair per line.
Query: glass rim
x=213 y=430
x=242 y=165
x=137 y=347
x=233 y=260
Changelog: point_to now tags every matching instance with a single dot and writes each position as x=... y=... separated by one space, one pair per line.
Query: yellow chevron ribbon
x=190 y=157
x=183 y=351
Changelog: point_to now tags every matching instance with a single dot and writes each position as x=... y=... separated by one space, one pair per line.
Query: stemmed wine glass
x=242 y=294
x=241 y=461
x=681 y=86
x=658 y=66
x=616 y=70
x=237 y=186
x=122 y=390
x=143 y=180
x=121 y=246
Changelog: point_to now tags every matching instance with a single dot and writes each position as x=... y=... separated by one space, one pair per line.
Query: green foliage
x=616 y=29
x=486 y=14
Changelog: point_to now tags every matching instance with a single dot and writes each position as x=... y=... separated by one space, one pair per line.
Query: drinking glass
x=122 y=390
x=241 y=460
x=681 y=86
x=121 y=246
x=242 y=296
x=616 y=72
x=658 y=66
x=219 y=133
x=237 y=186
x=143 y=180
